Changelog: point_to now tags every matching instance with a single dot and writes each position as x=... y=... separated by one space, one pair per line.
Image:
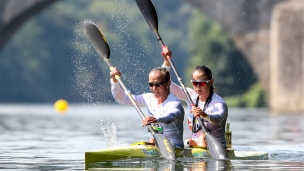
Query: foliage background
x=50 y=58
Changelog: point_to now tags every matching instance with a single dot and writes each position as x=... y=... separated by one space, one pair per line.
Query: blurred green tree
x=50 y=57
x=210 y=46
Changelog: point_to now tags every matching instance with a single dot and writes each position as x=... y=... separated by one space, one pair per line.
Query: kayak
x=144 y=150
x=140 y=150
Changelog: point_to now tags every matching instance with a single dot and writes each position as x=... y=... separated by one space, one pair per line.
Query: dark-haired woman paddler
x=211 y=107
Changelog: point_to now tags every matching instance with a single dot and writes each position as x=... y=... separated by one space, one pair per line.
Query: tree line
x=50 y=57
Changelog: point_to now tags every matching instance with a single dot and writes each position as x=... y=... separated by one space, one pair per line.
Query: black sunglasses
x=156 y=84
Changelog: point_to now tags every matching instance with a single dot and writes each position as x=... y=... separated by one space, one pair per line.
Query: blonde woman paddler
x=163 y=107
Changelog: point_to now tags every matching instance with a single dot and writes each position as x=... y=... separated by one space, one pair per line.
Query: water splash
x=109 y=130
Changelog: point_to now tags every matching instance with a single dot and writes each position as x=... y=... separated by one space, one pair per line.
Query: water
x=34 y=137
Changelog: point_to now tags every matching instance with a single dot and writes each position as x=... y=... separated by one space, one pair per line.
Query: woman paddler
x=164 y=109
x=209 y=106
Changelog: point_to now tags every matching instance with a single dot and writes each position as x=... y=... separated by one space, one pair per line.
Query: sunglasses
x=201 y=83
x=156 y=84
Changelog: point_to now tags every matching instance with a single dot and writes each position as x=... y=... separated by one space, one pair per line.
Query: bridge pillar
x=287 y=57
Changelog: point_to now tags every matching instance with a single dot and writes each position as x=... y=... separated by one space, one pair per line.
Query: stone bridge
x=269 y=33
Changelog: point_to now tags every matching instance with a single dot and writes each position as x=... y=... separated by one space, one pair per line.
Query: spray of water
x=91 y=74
x=108 y=129
x=129 y=53
x=91 y=81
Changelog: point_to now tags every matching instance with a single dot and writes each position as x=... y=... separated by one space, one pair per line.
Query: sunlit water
x=35 y=137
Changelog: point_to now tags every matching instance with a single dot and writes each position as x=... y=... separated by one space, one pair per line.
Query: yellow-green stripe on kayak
x=121 y=153
x=140 y=150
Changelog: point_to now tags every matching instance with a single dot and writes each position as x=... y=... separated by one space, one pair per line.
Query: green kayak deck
x=139 y=151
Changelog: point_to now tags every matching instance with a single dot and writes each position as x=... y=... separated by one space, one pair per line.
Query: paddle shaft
x=215 y=147
x=180 y=80
x=149 y=12
x=100 y=44
x=141 y=114
x=161 y=141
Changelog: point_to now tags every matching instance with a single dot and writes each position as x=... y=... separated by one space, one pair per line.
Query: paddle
x=147 y=8
x=100 y=44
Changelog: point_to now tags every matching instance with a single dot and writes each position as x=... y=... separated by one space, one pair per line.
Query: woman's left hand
x=196 y=111
x=166 y=52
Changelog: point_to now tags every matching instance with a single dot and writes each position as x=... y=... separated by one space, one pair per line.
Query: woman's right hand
x=114 y=72
x=148 y=120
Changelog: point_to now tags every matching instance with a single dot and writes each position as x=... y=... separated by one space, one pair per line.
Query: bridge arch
x=13 y=15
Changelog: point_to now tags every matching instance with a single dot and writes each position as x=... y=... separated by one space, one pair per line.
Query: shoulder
x=219 y=102
x=174 y=105
x=217 y=99
x=172 y=98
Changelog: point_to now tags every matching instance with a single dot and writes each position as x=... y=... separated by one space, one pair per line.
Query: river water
x=35 y=137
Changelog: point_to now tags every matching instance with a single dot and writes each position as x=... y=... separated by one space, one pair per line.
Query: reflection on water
x=180 y=164
x=35 y=137
x=207 y=165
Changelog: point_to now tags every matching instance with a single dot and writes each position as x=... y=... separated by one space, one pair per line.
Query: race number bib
x=157 y=128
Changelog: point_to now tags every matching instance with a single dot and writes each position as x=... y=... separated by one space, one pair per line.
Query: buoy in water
x=61 y=106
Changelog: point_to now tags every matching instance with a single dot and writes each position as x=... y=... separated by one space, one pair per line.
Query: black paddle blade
x=148 y=11
x=215 y=148
x=97 y=39
x=164 y=146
